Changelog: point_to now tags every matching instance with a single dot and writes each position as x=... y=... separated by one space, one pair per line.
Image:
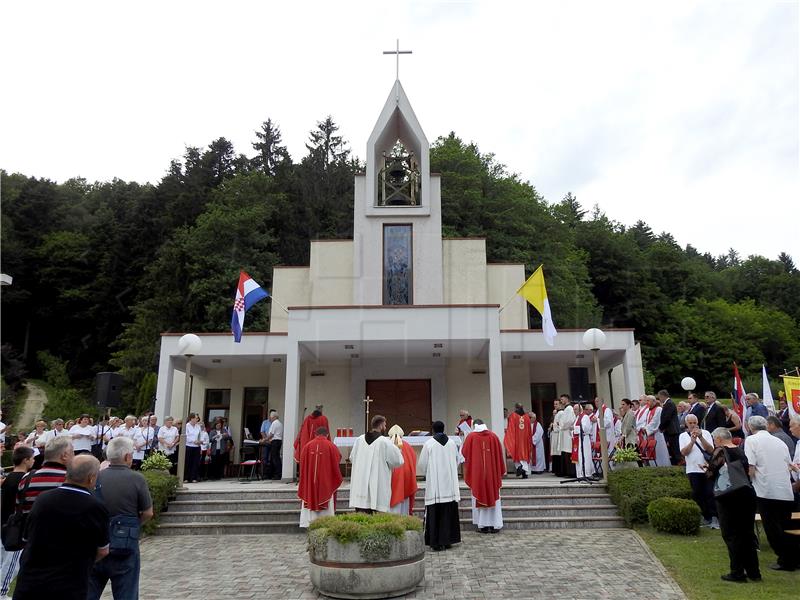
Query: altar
x=344 y=444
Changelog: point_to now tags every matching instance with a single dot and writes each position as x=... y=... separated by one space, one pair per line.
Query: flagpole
x=510 y=300
x=286 y=310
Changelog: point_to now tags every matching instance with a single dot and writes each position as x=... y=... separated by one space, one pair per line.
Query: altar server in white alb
x=439 y=461
x=538 y=461
x=584 y=433
x=373 y=458
x=608 y=424
x=653 y=421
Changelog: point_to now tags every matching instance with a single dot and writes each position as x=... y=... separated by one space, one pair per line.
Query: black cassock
x=442 y=526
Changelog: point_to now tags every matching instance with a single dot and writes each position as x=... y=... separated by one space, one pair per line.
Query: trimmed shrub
x=674 y=515
x=632 y=490
x=162 y=488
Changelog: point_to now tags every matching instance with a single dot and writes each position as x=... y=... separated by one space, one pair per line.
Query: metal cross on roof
x=397 y=52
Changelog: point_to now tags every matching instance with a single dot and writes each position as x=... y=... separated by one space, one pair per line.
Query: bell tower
x=397 y=224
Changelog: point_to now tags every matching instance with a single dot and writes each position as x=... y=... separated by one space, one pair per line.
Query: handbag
x=123 y=535
x=731 y=477
x=13 y=535
x=706 y=455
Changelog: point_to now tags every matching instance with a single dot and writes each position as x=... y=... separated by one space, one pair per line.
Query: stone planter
x=340 y=571
x=619 y=466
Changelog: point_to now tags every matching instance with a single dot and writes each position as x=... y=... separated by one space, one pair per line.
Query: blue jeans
x=123 y=571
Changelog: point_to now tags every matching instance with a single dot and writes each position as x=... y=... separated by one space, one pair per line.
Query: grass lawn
x=696 y=563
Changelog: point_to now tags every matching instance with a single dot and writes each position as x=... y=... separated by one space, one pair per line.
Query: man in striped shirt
x=58 y=454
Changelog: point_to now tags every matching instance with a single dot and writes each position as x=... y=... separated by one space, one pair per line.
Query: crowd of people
x=208 y=446
x=737 y=468
x=73 y=524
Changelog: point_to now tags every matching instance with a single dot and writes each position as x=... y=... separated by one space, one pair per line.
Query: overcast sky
x=682 y=114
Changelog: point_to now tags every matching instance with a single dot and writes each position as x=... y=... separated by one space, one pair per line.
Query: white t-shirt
x=169 y=435
x=141 y=441
x=50 y=435
x=795 y=474
x=770 y=457
x=84 y=442
x=33 y=440
x=695 y=457
x=276 y=430
x=2 y=432
x=123 y=431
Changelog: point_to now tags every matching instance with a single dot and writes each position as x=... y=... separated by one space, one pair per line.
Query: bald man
x=67 y=532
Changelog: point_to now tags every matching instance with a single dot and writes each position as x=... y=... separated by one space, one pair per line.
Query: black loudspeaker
x=108 y=388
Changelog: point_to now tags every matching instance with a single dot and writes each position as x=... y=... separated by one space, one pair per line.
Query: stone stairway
x=237 y=509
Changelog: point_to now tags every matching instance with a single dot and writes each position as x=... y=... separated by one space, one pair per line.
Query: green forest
x=101 y=269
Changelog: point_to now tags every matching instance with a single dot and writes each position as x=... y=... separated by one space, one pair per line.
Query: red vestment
x=404 y=478
x=484 y=467
x=308 y=431
x=518 y=437
x=320 y=476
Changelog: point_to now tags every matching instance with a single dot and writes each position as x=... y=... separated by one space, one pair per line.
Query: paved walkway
x=512 y=564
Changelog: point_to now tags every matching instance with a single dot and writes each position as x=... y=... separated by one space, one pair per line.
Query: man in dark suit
x=715 y=415
x=697 y=409
x=670 y=426
x=784 y=415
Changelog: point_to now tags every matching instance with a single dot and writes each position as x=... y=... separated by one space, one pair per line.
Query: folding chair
x=648 y=452
x=254 y=470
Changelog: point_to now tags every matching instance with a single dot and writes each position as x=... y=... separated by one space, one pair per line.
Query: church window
x=397 y=264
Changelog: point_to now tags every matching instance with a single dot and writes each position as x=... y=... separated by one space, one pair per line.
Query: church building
x=399 y=315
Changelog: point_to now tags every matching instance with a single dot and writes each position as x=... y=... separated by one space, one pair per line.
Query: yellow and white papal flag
x=534 y=291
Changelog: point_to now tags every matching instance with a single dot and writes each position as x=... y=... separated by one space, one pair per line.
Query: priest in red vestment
x=464 y=418
x=320 y=477
x=518 y=440
x=308 y=430
x=404 y=478
x=484 y=467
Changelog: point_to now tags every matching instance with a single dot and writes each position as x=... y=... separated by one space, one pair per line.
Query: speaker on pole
x=108 y=388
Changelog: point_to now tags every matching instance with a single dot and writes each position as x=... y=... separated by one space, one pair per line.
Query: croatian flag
x=739 y=404
x=248 y=292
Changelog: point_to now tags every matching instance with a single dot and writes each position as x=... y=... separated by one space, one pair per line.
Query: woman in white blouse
x=36 y=435
x=168 y=437
x=194 y=433
x=83 y=436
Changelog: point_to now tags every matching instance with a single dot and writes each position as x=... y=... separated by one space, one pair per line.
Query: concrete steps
x=222 y=504
x=235 y=509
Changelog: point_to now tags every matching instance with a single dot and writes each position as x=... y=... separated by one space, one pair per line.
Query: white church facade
x=399 y=314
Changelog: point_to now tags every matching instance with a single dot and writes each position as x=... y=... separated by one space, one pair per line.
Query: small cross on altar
x=397 y=52
x=366 y=402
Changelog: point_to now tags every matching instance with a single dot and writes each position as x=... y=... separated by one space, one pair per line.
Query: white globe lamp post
x=189 y=345
x=594 y=339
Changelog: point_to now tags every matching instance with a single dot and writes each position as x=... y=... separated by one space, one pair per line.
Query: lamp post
x=594 y=339
x=189 y=345
x=688 y=384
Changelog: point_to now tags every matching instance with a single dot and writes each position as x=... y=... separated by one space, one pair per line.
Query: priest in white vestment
x=566 y=425
x=555 y=439
x=608 y=420
x=439 y=461
x=373 y=458
x=584 y=430
x=538 y=462
x=653 y=421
